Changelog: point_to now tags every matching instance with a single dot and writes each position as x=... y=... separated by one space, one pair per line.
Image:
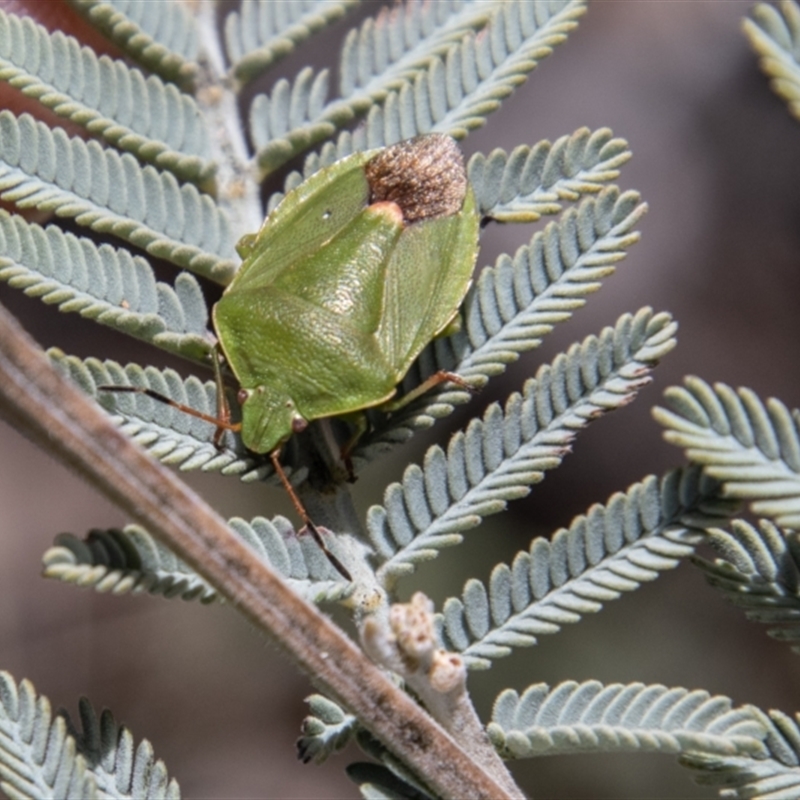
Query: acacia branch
x=55 y=414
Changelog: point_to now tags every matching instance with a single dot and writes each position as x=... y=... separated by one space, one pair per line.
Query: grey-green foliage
x=326 y=730
x=590 y=716
x=104 y=283
x=162 y=37
x=391 y=47
x=612 y=549
x=523 y=185
x=499 y=457
x=261 y=32
x=43 y=757
x=131 y=561
x=45 y=169
x=774 y=33
x=121 y=562
x=772 y=776
x=759 y=570
x=166 y=432
x=384 y=53
x=143 y=115
x=752 y=447
x=421 y=91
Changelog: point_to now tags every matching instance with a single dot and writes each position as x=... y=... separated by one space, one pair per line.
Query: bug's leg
x=442 y=376
x=223 y=407
x=274 y=457
x=360 y=423
x=224 y=424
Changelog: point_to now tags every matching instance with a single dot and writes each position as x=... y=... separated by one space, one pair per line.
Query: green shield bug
x=348 y=279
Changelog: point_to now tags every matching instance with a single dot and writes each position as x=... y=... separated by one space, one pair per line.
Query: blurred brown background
x=717 y=157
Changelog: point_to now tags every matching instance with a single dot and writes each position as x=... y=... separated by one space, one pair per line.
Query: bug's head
x=268 y=420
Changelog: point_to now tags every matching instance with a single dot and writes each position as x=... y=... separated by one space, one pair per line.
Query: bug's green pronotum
x=345 y=283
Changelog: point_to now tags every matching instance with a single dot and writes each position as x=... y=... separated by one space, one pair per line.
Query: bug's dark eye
x=242 y=395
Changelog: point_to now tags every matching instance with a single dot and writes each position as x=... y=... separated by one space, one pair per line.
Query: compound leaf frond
x=143 y=115
x=532 y=181
x=453 y=93
x=485 y=68
x=130 y=561
x=752 y=447
x=121 y=768
x=43 y=755
x=111 y=193
x=760 y=572
x=127 y=561
x=611 y=550
x=774 y=777
x=261 y=32
x=162 y=37
x=514 y=305
x=774 y=33
x=579 y=717
x=285 y=110
x=106 y=284
x=387 y=50
x=327 y=729
x=382 y=54
x=499 y=457
x=26 y=768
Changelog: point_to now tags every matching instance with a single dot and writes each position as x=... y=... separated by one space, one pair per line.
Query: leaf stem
x=237 y=192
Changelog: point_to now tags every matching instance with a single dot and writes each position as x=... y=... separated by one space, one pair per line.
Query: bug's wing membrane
x=347 y=276
x=304 y=221
x=420 y=303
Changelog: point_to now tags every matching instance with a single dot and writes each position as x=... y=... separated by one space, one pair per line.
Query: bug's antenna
x=274 y=458
x=224 y=424
x=223 y=418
